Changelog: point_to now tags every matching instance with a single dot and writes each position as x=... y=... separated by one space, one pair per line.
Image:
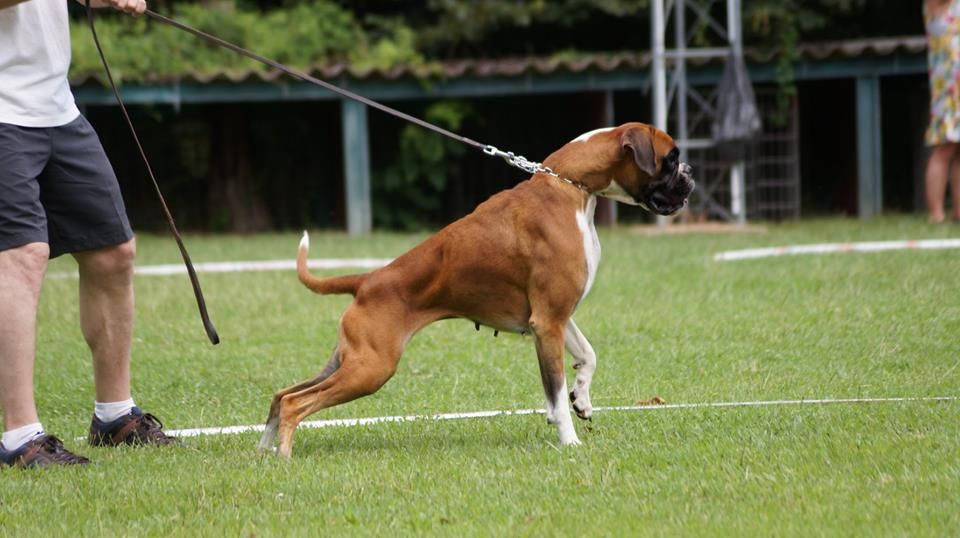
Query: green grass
x=664 y=318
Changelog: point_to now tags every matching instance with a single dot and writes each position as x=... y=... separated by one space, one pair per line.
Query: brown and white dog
x=521 y=262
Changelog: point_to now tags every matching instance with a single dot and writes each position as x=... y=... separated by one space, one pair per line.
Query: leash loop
x=194 y=281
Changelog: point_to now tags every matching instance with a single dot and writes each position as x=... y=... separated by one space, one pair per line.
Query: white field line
x=823 y=248
x=234 y=267
x=229 y=430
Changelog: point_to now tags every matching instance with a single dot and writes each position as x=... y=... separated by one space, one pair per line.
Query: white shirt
x=34 y=60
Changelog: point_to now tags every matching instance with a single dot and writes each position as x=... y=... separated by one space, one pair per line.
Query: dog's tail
x=337 y=284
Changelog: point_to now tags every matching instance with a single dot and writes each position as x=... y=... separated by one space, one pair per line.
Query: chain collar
x=521 y=162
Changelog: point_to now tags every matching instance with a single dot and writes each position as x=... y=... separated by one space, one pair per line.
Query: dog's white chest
x=591 y=243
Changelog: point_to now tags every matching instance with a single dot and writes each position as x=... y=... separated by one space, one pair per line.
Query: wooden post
x=356 y=166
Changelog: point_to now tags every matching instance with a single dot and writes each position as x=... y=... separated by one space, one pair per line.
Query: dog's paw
x=581 y=405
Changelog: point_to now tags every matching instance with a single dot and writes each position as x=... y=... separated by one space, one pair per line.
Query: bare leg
x=585 y=363
x=955 y=186
x=22 y=269
x=106 y=316
x=938 y=166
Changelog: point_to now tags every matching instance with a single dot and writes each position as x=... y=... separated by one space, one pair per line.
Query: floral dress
x=943 y=55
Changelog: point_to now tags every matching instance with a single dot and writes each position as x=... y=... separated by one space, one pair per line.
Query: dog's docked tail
x=332 y=285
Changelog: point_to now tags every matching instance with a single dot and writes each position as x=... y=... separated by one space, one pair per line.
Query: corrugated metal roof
x=532 y=65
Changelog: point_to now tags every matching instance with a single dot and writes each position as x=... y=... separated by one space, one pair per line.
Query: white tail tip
x=305 y=240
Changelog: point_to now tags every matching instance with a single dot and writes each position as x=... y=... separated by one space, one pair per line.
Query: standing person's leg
x=23 y=261
x=938 y=168
x=88 y=219
x=106 y=316
x=955 y=187
x=22 y=269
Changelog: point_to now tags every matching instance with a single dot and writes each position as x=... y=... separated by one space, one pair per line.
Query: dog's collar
x=573 y=182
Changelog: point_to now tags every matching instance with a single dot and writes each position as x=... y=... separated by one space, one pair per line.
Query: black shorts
x=57 y=187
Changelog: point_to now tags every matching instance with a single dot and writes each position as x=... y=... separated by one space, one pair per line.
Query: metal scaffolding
x=672 y=91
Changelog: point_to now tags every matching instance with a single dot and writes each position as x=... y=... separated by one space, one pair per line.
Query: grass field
x=664 y=318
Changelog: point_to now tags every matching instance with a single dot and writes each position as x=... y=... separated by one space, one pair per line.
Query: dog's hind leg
x=269 y=436
x=357 y=376
x=585 y=363
x=549 y=340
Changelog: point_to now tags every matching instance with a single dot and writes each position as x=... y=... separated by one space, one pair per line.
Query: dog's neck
x=587 y=162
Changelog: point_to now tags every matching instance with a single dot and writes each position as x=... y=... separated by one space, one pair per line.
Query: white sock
x=15 y=439
x=110 y=411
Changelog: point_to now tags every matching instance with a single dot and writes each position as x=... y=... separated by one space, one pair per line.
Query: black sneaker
x=43 y=451
x=135 y=428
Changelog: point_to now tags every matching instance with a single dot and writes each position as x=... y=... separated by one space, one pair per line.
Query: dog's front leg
x=585 y=362
x=549 y=340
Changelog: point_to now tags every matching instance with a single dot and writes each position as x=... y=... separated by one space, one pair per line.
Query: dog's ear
x=639 y=143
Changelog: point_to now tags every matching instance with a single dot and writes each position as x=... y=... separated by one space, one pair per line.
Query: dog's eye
x=669 y=164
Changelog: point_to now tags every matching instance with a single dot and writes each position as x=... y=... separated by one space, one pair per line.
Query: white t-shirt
x=34 y=60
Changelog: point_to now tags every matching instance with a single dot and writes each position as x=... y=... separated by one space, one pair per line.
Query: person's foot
x=43 y=451
x=135 y=428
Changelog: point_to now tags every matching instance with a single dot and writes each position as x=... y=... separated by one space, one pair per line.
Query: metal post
x=659 y=75
x=680 y=36
x=738 y=202
x=356 y=166
x=678 y=85
x=869 y=155
x=659 y=66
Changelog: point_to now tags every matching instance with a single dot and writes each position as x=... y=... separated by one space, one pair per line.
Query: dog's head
x=634 y=163
x=649 y=173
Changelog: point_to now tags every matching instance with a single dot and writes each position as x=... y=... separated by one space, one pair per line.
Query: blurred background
x=841 y=87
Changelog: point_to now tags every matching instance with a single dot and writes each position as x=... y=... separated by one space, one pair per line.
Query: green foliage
x=392 y=43
x=779 y=24
x=409 y=188
x=302 y=35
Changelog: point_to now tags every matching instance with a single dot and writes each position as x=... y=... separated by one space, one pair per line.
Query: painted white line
x=823 y=248
x=233 y=267
x=229 y=430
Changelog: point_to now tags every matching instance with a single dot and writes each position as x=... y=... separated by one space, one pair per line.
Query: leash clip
x=517 y=161
x=522 y=163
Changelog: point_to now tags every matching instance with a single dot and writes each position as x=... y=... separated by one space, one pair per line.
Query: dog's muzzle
x=667 y=195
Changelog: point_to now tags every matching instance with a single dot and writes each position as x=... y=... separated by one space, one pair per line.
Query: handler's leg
x=106 y=316
x=22 y=269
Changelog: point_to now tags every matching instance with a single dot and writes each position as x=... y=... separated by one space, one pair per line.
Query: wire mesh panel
x=772 y=166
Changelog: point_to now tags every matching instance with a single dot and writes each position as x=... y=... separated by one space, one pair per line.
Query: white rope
x=234 y=267
x=346 y=422
x=823 y=248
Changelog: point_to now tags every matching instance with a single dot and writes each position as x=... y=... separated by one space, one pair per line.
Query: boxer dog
x=521 y=262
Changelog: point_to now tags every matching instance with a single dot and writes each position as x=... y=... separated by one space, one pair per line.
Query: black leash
x=197 y=292
x=517 y=161
x=300 y=75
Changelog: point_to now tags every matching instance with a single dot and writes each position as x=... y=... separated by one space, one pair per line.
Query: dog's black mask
x=670 y=190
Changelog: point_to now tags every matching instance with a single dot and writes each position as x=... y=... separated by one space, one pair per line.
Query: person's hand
x=132 y=7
